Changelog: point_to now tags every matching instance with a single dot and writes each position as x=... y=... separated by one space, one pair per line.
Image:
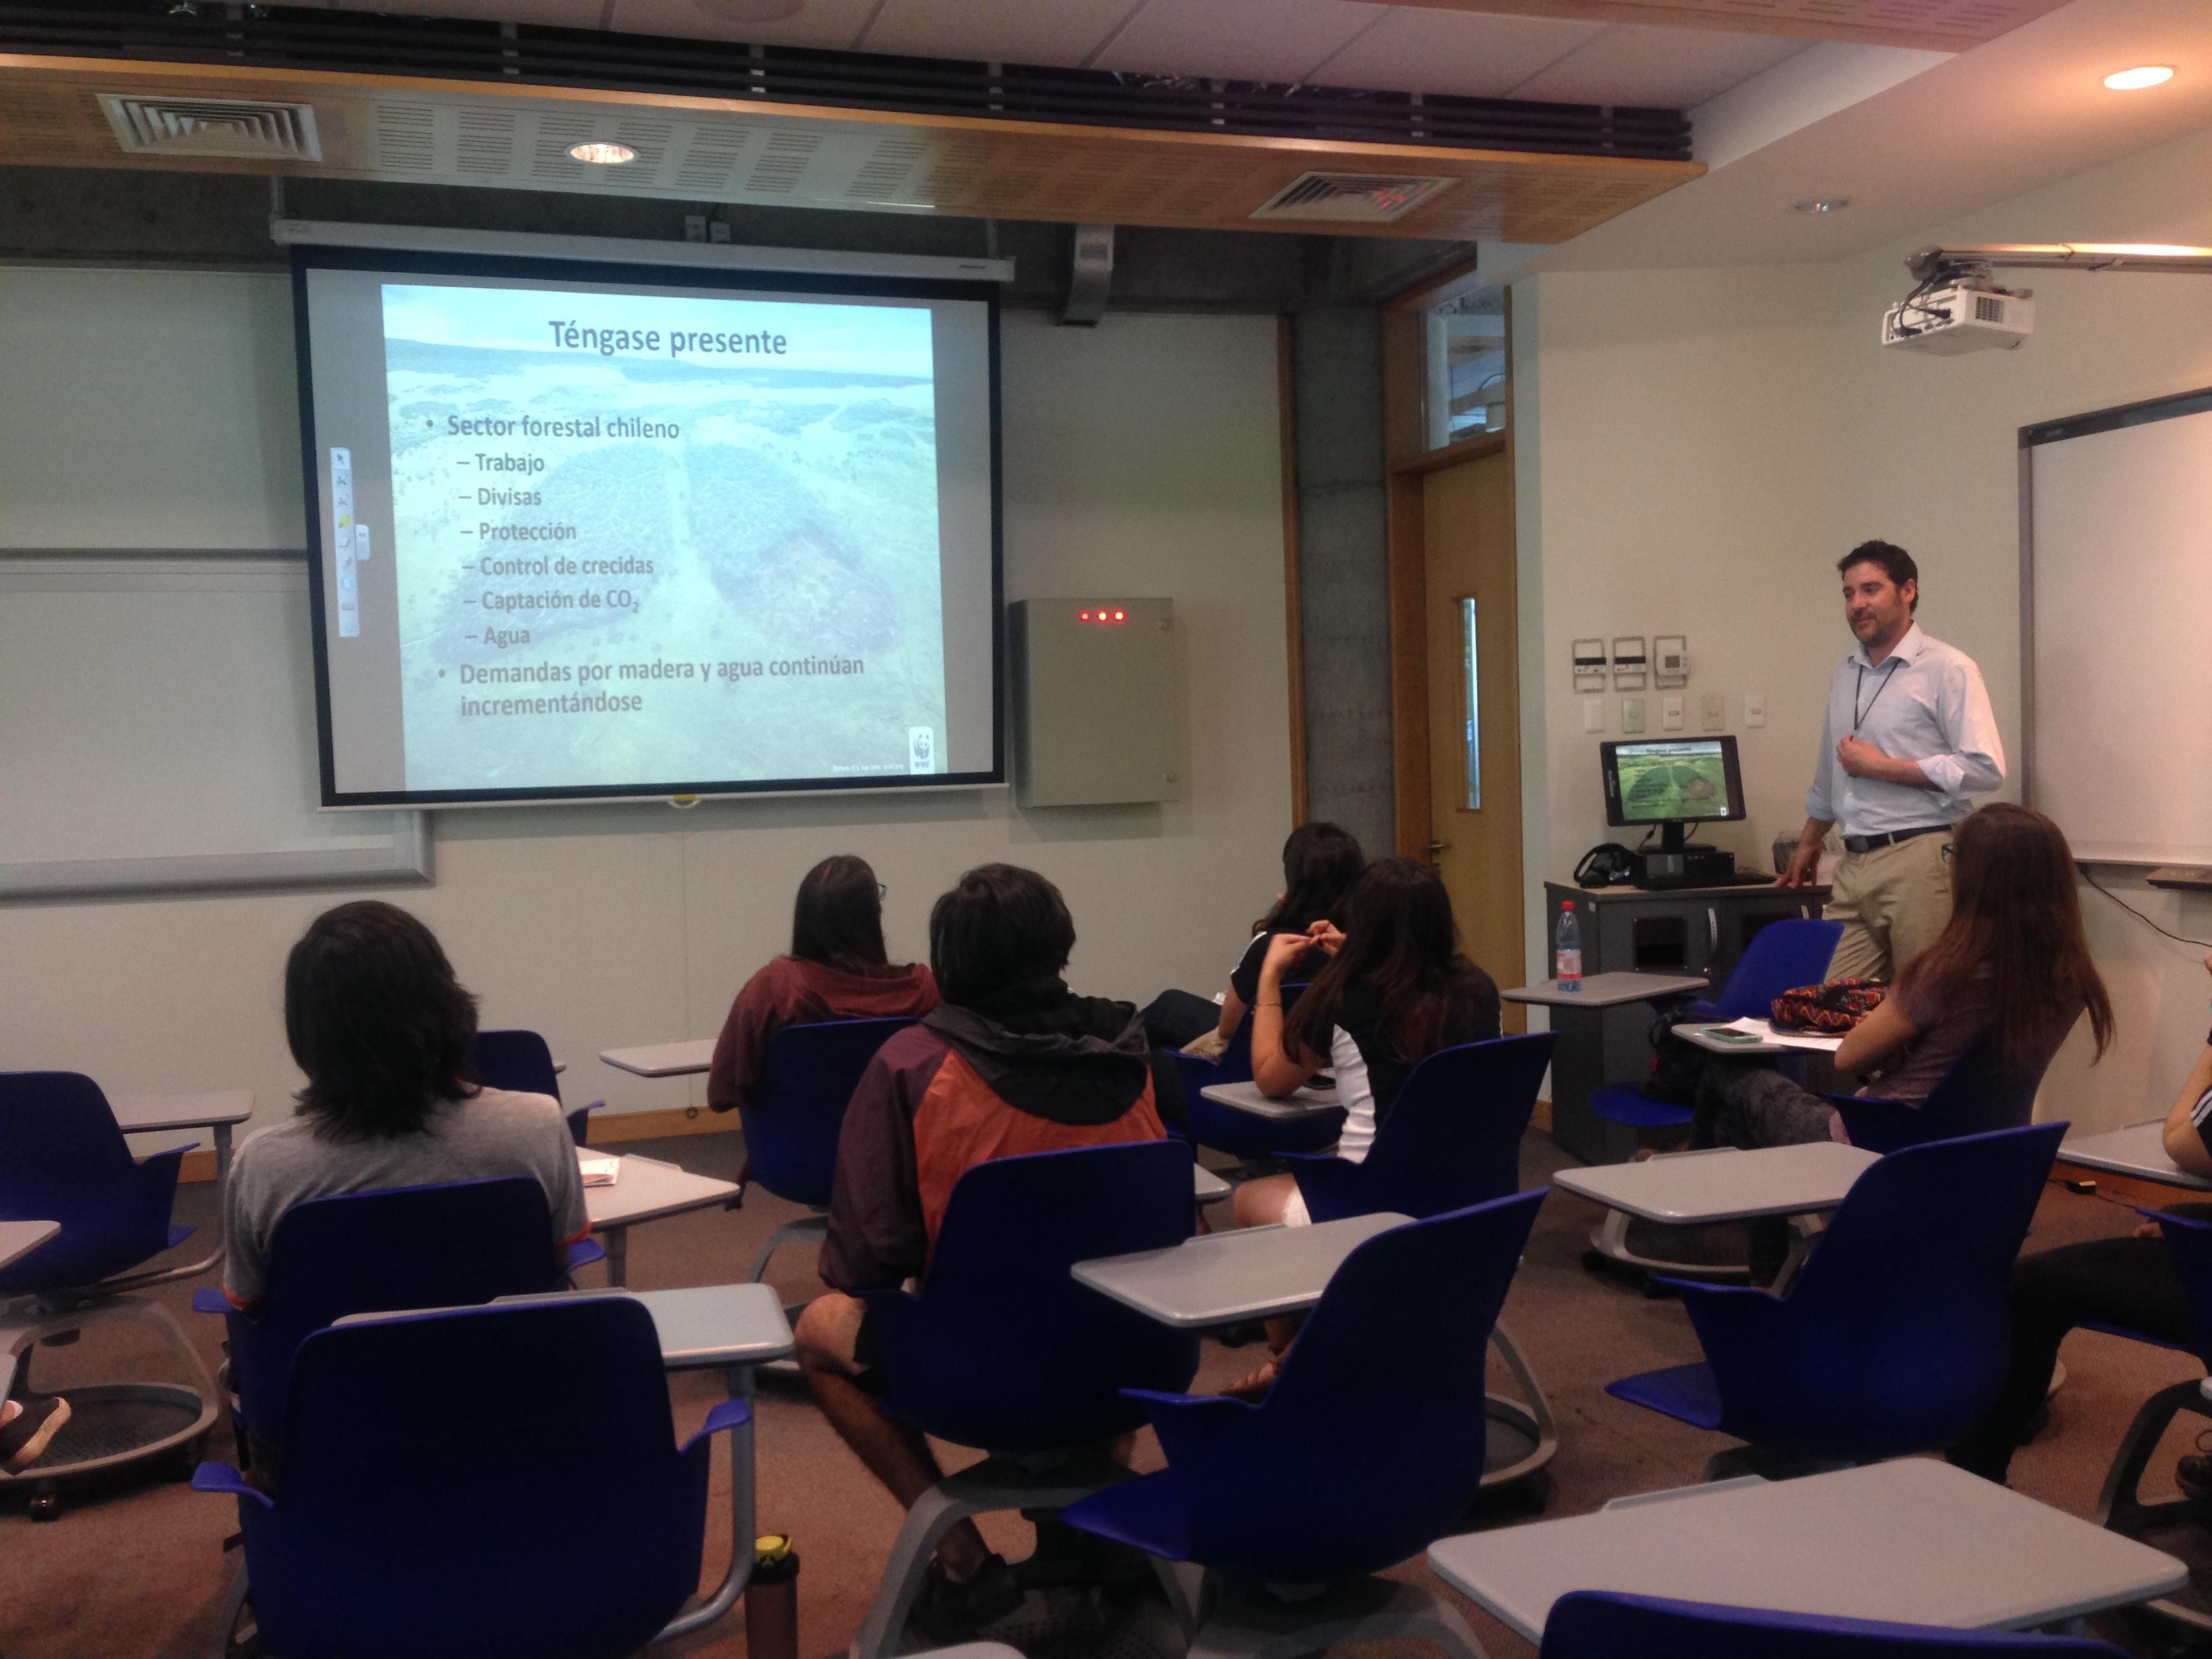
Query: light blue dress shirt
x=1926 y=702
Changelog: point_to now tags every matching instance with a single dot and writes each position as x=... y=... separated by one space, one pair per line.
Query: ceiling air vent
x=243 y=128
x=1364 y=198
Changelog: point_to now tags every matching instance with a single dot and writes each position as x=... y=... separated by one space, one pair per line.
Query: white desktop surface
x=663 y=1059
x=1254 y=1273
x=151 y=1114
x=707 y=1325
x=19 y=1239
x=1606 y=990
x=1776 y=1041
x=1708 y=1187
x=1912 y=1539
x=2139 y=1150
x=1306 y=1102
x=1205 y=1186
x=646 y=1189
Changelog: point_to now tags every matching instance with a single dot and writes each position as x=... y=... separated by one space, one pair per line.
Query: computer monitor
x=1671 y=784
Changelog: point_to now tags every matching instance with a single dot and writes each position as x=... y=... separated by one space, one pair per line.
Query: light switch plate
x=1593 y=714
x=1754 y=708
x=1631 y=714
x=1715 y=710
x=1670 y=713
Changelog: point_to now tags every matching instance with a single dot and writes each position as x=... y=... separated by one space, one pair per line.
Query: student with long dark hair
x=1396 y=989
x=837 y=969
x=2012 y=961
x=383 y=1031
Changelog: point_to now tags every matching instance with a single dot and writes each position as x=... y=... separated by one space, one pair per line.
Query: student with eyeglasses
x=838 y=969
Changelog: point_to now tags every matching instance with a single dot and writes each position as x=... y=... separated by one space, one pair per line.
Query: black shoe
x=24 y=1436
x=946 y=1612
x=2193 y=1474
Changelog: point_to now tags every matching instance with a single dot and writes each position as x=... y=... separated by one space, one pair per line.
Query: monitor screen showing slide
x=605 y=531
x=1679 y=780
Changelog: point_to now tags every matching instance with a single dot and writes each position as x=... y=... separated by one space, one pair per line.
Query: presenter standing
x=1909 y=738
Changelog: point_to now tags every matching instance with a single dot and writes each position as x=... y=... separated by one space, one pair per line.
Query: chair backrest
x=1896 y=1333
x=457 y=1244
x=1453 y=1136
x=1979 y=1093
x=439 y=1469
x=1370 y=1445
x=1595 y=1625
x=1781 y=957
x=2190 y=1243
x=807 y=1081
x=520 y=1061
x=1003 y=1348
x=62 y=1159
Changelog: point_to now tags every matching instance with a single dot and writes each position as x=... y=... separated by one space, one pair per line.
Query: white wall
x=1141 y=457
x=1703 y=445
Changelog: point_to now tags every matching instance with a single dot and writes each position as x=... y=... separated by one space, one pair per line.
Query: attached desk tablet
x=1307 y=1101
x=1706 y=1188
x=2139 y=1151
x=1205 y=1186
x=19 y=1239
x=219 y=1112
x=663 y=1059
x=1604 y=1036
x=646 y=1189
x=1912 y=1539
x=1779 y=1043
x=1217 y=1279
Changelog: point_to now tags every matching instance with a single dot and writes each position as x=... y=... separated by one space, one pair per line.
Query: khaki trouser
x=1892 y=902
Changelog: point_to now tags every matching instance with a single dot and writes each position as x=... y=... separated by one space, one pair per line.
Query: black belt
x=1868 y=843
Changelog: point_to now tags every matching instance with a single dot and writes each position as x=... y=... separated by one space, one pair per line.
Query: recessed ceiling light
x=2134 y=80
x=603 y=156
x=1821 y=205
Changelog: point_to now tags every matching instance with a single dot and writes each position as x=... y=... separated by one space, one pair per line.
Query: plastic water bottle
x=1567 y=948
x=772 y=1600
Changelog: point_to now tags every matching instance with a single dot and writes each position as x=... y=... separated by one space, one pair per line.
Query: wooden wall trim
x=1293 y=603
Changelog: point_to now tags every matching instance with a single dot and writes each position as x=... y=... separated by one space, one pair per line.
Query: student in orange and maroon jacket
x=837 y=969
x=1013 y=1062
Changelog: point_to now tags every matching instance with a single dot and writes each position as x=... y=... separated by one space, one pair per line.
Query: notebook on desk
x=599 y=1171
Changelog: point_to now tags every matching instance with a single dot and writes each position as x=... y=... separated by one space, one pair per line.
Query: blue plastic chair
x=1593 y=1624
x=1243 y=1134
x=458 y=1244
x=1894 y=1338
x=791 y=1134
x=1782 y=956
x=1349 y=1463
x=1977 y=1095
x=63 y=1159
x=520 y=1061
x=437 y=1469
x=1004 y=1350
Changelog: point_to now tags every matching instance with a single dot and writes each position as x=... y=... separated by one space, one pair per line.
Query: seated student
x=837 y=969
x=2127 y=1281
x=1396 y=991
x=1321 y=864
x=1012 y=1062
x=383 y=1031
x=2012 y=958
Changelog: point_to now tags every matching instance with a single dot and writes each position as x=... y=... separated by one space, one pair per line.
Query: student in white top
x=1908 y=740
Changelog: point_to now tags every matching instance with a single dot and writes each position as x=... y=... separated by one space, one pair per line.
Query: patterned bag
x=1832 y=1009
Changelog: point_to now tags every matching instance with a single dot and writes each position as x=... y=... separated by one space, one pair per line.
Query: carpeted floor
x=139 y=1572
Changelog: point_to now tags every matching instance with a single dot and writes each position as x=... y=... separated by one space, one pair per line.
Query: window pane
x=1467 y=367
x=1473 y=708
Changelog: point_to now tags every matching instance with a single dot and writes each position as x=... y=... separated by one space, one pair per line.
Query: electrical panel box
x=1095 y=716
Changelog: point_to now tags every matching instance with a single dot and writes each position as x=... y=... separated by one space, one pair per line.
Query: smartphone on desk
x=1740 y=1039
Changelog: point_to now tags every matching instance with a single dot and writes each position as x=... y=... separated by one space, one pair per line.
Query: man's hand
x=1861 y=758
x=1802 y=863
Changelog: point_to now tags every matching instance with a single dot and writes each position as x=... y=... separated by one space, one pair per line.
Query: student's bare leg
x=896 y=1454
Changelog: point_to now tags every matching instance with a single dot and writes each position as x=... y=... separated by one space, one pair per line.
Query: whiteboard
x=2117 y=555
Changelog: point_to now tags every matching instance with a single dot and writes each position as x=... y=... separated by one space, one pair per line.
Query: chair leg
x=2120 y=1507
x=225 y=1618
x=813 y=1226
x=1530 y=1415
x=1610 y=1241
x=1250 y=1623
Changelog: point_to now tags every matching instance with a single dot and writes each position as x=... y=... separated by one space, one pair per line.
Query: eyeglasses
x=1946 y=850
x=884 y=892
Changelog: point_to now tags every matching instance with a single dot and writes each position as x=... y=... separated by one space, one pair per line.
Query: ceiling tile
x=1670 y=68
x=1475 y=55
x=833 y=24
x=547 y=13
x=1057 y=33
x=1236 y=39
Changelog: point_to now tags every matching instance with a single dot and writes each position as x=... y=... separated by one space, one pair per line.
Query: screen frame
x=307 y=258
x=1734 y=811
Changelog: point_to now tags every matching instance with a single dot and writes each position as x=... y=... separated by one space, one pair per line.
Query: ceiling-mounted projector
x=1966 y=315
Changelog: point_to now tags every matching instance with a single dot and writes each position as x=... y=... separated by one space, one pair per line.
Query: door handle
x=1713 y=930
x=1436 y=846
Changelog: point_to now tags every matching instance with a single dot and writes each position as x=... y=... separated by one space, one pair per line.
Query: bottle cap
x=770 y=1547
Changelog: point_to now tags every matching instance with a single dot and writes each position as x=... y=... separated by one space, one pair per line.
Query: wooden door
x=1473 y=706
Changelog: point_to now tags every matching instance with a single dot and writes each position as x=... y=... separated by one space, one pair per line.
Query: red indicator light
x=1086 y=616
x=1121 y=615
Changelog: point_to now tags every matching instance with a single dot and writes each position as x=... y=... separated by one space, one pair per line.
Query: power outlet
x=1593 y=714
x=1715 y=711
x=1670 y=713
x=1631 y=714
x=1754 y=708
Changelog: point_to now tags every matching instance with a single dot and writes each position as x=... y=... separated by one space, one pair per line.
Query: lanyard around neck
x=1859 y=715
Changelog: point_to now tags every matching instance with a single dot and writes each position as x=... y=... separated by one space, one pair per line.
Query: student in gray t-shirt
x=383 y=1031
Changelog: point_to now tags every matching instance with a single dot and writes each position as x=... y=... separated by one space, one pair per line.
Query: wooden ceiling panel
x=1935 y=25
x=689 y=149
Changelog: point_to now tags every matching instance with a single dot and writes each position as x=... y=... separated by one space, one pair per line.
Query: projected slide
x=645 y=537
